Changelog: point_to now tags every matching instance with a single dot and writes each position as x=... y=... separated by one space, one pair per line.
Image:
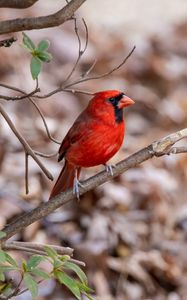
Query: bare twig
x=46 y=155
x=101 y=75
x=25 y=95
x=66 y=88
x=24 y=143
x=80 y=52
x=17 y=3
x=26 y=173
x=36 y=248
x=158 y=148
x=62 y=89
x=52 y=20
x=90 y=69
x=44 y=121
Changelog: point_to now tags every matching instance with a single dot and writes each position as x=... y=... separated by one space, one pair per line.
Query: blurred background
x=131 y=231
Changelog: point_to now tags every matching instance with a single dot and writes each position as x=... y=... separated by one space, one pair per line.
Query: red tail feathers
x=65 y=179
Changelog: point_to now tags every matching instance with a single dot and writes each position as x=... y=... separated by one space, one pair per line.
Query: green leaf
x=43 y=45
x=2 y=277
x=28 y=43
x=69 y=283
x=44 y=56
x=2 y=256
x=2 y=234
x=35 y=67
x=10 y=260
x=64 y=258
x=51 y=252
x=77 y=270
x=8 y=268
x=31 y=284
x=84 y=288
x=7 y=290
x=89 y=297
x=34 y=261
x=40 y=273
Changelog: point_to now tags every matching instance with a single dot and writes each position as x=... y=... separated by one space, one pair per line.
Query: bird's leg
x=76 y=185
x=109 y=170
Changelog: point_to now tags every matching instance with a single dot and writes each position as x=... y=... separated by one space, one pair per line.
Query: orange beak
x=125 y=101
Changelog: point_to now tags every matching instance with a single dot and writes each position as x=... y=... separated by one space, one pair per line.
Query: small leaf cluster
x=39 y=54
x=31 y=274
x=61 y=265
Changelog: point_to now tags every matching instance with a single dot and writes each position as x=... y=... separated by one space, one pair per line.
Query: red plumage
x=94 y=138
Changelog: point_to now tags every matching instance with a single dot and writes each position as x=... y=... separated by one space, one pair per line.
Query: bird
x=94 y=138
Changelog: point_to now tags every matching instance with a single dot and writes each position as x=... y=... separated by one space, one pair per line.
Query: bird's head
x=112 y=101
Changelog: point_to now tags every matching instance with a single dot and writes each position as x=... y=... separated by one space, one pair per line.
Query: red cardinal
x=96 y=135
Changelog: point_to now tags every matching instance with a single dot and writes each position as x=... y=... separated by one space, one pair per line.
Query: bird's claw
x=109 y=169
x=76 y=185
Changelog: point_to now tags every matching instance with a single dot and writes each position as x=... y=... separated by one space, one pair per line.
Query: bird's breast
x=97 y=145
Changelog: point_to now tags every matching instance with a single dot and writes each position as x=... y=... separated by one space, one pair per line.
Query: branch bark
x=158 y=148
x=52 y=20
x=26 y=146
x=17 y=3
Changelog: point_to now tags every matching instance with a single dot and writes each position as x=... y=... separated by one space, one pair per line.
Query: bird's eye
x=112 y=100
x=116 y=99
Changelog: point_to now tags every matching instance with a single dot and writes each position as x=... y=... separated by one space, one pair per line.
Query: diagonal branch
x=26 y=146
x=158 y=148
x=17 y=3
x=52 y=20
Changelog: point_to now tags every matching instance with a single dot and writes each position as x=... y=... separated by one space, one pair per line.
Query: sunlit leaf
x=51 y=252
x=8 y=268
x=77 y=270
x=44 y=56
x=2 y=277
x=10 y=260
x=34 y=261
x=40 y=273
x=43 y=45
x=28 y=42
x=31 y=284
x=2 y=234
x=2 y=256
x=69 y=283
x=35 y=67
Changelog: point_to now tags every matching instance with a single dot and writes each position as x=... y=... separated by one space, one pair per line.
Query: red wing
x=75 y=133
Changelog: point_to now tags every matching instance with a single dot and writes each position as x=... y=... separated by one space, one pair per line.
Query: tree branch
x=36 y=248
x=158 y=148
x=17 y=3
x=52 y=20
x=24 y=143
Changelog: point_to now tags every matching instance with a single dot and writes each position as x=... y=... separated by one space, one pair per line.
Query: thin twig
x=26 y=173
x=46 y=155
x=25 y=95
x=101 y=75
x=80 y=52
x=36 y=248
x=44 y=121
x=77 y=262
x=24 y=143
x=33 y=102
x=90 y=69
x=158 y=148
